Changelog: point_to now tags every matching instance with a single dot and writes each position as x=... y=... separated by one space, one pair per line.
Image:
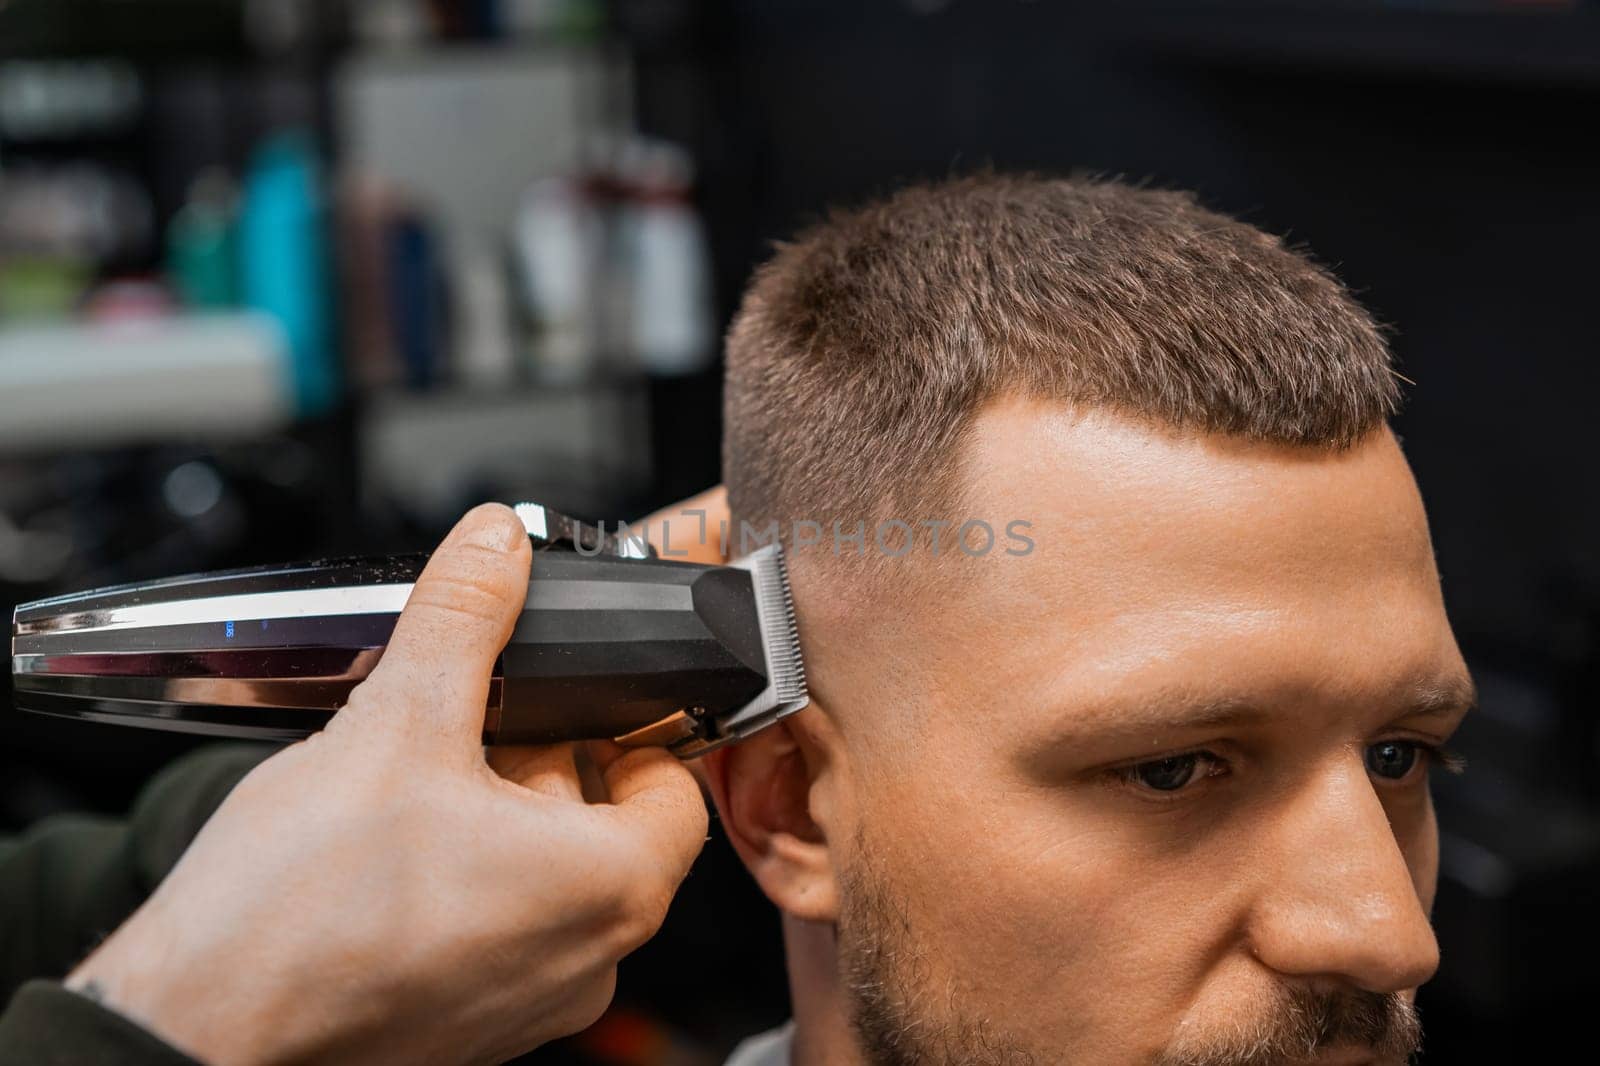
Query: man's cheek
x=1053 y=944
x=1067 y=930
x=1000 y=905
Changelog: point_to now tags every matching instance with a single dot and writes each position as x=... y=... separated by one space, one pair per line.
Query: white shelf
x=82 y=384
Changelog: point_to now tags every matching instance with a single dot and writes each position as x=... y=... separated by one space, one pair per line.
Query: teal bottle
x=203 y=245
x=285 y=265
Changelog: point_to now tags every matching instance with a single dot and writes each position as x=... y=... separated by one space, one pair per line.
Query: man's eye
x=1172 y=773
x=1392 y=759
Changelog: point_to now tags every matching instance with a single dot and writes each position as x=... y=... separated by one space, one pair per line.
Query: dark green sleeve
x=72 y=879
x=48 y=1026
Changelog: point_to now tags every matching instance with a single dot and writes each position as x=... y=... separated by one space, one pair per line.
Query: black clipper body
x=612 y=643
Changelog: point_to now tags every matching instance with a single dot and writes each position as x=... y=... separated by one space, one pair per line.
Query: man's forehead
x=1111 y=497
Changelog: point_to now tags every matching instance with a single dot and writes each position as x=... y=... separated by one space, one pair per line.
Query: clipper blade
x=775 y=601
x=780 y=637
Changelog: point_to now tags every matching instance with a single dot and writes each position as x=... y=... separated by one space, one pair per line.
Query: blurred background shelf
x=78 y=386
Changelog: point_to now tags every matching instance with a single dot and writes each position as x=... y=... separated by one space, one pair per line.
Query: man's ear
x=767 y=789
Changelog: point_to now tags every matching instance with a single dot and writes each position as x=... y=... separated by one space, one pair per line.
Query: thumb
x=436 y=669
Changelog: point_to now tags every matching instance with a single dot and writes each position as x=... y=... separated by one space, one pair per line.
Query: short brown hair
x=865 y=345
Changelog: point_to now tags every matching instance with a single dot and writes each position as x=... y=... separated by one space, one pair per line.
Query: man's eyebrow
x=1453 y=695
x=1456 y=694
x=1169 y=712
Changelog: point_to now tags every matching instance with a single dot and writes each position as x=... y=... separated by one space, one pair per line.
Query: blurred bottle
x=63 y=225
x=284 y=261
x=416 y=298
x=367 y=209
x=559 y=241
x=573 y=21
x=480 y=317
x=665 y=262
x=202 y=246
x=391 y=23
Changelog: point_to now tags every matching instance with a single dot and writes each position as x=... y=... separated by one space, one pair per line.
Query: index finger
x=653 y=793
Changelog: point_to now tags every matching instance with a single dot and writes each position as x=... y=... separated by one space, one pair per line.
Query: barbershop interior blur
x=286 y=279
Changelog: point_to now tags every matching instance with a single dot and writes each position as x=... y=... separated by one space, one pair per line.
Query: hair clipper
x=613 y=642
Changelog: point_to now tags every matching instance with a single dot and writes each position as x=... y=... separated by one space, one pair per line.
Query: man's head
x=1145 y=779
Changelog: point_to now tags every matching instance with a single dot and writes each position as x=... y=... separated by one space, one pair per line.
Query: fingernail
x=494 y=528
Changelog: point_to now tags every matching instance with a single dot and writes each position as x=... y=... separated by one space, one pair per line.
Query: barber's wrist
x=199 y=1007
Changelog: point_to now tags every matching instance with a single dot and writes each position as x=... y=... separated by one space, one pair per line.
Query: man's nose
x=1340 y=903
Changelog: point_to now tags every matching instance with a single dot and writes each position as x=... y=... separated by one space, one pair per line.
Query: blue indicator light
x=230 y=630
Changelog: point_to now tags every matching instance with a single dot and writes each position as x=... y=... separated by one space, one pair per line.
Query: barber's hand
x=693 y=531
x=378 y=893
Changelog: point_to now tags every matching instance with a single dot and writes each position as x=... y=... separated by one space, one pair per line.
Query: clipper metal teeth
x=776 y=601
x=780 y=636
